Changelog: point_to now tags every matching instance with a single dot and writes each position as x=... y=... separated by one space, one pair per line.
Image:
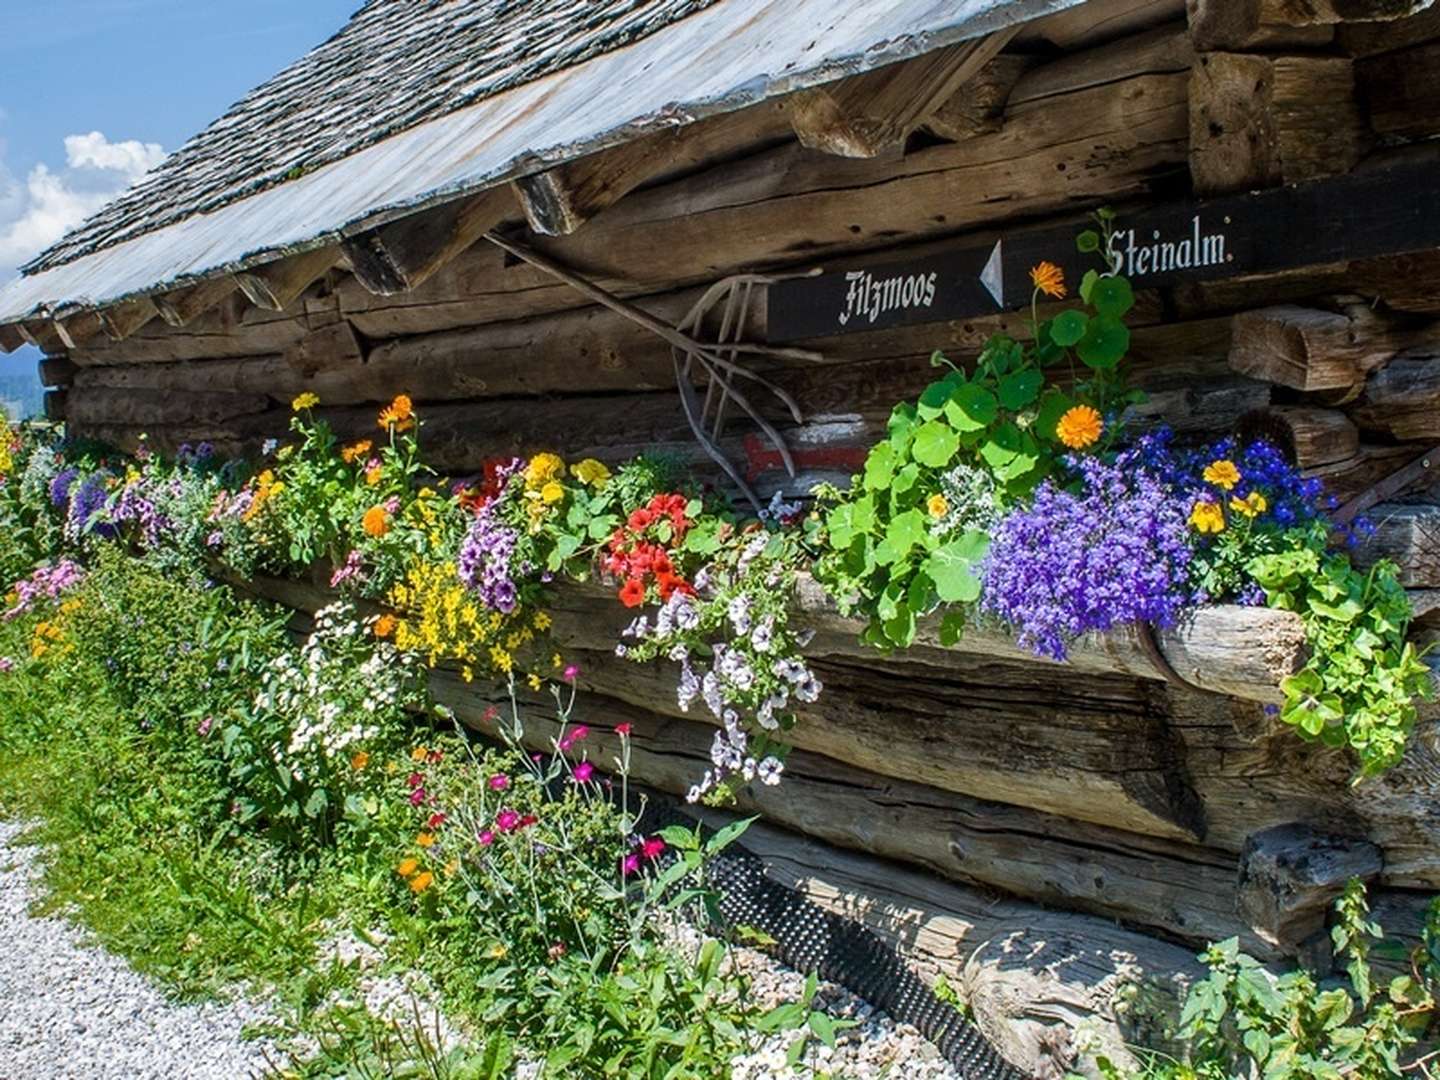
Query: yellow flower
x=497 y=952
x=1049 y=279
x=590 y=472
x=1252 y=506
x=542 y=469
x=398 y=415
x=408 y=867
x=306 y=400
x=1207 y=517
x=425 y=839
x=938 y=506
x=1222 y=473
x=372 y=476
x=552 y=492
x=534 y=681
x=421 y=881
x=359 y=761
x=1080 y=427
x=419 y=753
x=542 y=621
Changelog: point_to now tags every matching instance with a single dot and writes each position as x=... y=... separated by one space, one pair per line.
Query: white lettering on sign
x=870 y=297
x=1135 y=257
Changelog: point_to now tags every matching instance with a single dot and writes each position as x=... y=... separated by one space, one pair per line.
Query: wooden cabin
x=511 y=211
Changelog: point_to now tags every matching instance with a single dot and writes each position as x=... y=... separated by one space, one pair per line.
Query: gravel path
x=68 y=1009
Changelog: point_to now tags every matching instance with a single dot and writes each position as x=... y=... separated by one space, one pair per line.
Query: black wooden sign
x=1389 y=211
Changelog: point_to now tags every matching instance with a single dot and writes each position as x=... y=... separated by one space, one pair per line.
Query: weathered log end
x=1290 y=876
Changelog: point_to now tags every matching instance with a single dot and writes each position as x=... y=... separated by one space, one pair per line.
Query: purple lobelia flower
x=1116 y=552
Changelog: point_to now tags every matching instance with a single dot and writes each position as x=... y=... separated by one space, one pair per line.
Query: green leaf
x=1053 y=405
x=1069 y=327
x=1002 y=446
x=879 y=467
x=1019 y=389
x=1105 y=343
x=936 y=443
x=824 y=1028
x=932 y=401
x=953 y=568
x=952 y=627
x=1088 y=283
x=971 y=408
x=1112 y=297
x=904 y=533
x=1088 y=242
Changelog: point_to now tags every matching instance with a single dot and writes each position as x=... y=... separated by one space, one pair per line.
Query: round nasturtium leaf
x=1112 y=296
x=1088 y=242
x=1105 y=343
x=1019 y=389
x=1068 y=327
x=971 y=408
x=935 y=444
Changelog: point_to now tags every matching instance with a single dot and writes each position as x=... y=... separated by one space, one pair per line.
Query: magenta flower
x=499 y=782
x=583 y=772
x=653 y=848
x=579 y=732
x=417 y=797
x=507 y=821
x=486 y=838
x=623 y=730
x=571 y=673
x=205 y=726
x=631 y=864
x=414 y=780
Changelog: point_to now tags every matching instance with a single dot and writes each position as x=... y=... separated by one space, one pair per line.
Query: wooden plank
x=180 y=307
x=1408 y=536
x=277 y=285
x=1163 y=50
x=1251 y=24
x=57 y=371
x=125 y=318
x=147 y=407
x=1373 y=38
x=1403 y=400
x=557 y=201
x=404 y=254
x=867 y=115
x=1260 y=121
x=1097 y=22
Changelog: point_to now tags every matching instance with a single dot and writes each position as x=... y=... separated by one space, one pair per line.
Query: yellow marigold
x=552 y=492
x=542 y=621
x=590 y=472
x=425 y=839
x=938 y=506
x=385 y=625
x=306 y=400
x=399 y=414
x=376 y=522
x=355 y=451
x=1207 y=517
x=542 y=469
x=1253 y=505
x=1049 y=279
x=422 y=881
x=420 y=753
x=1080 y=427
x=408 y=867
x=360 y=761
x=1222 y=473
x=373 y=475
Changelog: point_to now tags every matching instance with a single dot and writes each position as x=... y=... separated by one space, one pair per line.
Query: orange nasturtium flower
x=360 y=760
x=376 y=521
x=938 y=505
x=426 y=839
x=422 y=881
x=399 y=414
x=355 y=451
x=1049 y=279
x=385 y=625
x=1080 y=427
x=408 y=867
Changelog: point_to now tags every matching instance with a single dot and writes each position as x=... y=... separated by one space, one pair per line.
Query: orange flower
x=376 y=522
x=420 y=753
x=385 y=625
x=426 y=839
x=359 y=761
x=1080 y=427
x=1049 y=279
x=422 y=881
x=355 y=451
x=632 y=594
x=408 y=867
x=373 y=475
x=399 y=414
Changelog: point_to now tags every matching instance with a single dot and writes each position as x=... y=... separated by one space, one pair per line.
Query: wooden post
x=1262 y=121
x=179 y=307
x=275 y=286
x=403 y=255
x=57 y=371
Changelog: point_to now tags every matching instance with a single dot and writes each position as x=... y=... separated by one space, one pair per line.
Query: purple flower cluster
x=135 y=507
x=1117 y=552
x=46 y=582
x=488 y=551
x=61 y=484
x=87 y=502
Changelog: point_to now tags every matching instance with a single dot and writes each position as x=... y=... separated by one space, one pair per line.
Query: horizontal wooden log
x=1403 y=399
x=1163 y=50
x=1408 y=536
x=232 y=329
x=1261 y=121
x=1369 y=465
x=1402 y=91
x=57 y=371
x=1291 y=876
x=978 y=107
x=87 y=407
x=1311 y=437
x=1311 y=349
x=1372 y=38
x=1100 y=22
x=1256 y=25
x=275 y=286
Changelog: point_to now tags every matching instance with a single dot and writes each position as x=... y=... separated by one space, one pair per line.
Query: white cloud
x=38 y=211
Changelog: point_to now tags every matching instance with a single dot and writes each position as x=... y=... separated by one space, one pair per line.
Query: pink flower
x=392 y=504
x=571 y=673
x=631 y=865
x=6 y=665
x=583 y=772
x=486 y=838
x=528 y=820
x=417 y=797
x=499 y=782
x=557 y=950
x=579 y=732
x=507 y=821
x=436 y=820
x=414 y=780
x=623 y=730
x=205 y=726
x=653 y=848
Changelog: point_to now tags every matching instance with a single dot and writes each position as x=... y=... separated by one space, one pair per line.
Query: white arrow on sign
x=993 y=276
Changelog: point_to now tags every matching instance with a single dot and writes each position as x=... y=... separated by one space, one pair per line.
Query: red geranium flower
x=640 y=520
x=632 y=593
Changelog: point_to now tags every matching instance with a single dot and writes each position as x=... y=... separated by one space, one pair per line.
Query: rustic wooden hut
x=512 y=212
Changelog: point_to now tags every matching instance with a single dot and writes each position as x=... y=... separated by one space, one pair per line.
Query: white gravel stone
x=69 y=1009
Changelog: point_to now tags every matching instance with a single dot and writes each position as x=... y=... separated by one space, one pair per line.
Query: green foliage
x=1242 y=1021
x=1360 y=684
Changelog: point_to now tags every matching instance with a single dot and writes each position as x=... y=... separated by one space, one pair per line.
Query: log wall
x=1096 y=791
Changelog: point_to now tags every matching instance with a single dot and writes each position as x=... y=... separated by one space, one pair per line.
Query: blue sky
x=92 y=92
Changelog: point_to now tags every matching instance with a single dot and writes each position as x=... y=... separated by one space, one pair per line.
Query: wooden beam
x=1373 y=38
x=1403 y=399
x=1263 y=121
x=1310 y=349
x=401 y=256
x=1291 y=876
x=57 y=371
x=146 y=408
x=180 y=307
x=331 y=348
x=1402 y=91
x=1166 y=50
x=867 y=115
x=1251 y=24
x=1096 y=22
x=275 y=286
x=978 y=107
x=121 y=320
x=80 y=328
x=1409 y=536
x=10 y=337
x=43 y=334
